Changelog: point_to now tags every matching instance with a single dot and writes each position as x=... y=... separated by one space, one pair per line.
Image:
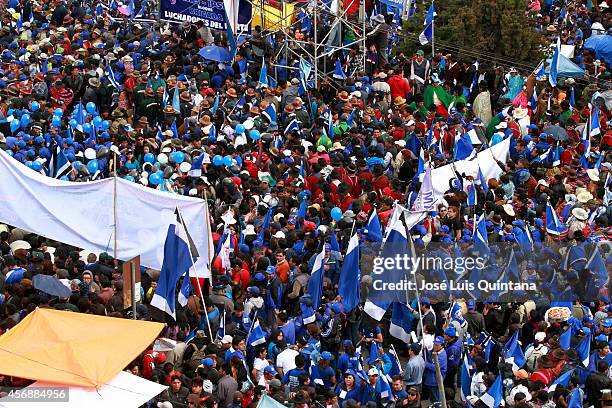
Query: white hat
x=373 y=370
x=279 y=235
x=401 y=143
x=227 y=339
x=379 y=18
x=580 y=214
x=593 y=174
x=20 y=244
x=249 y=230
x=584 y=197
x=540 y=336
x=509 y=209
x=410 y=123
x=502 y=125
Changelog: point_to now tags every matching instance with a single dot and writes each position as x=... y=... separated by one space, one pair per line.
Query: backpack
x=198 y=355
x=535 y=355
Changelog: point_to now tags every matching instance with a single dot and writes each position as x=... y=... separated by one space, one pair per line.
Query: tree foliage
x=491 y=28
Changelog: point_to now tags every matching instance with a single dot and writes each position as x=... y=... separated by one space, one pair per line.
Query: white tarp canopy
x=125 y=390
x=81 y=214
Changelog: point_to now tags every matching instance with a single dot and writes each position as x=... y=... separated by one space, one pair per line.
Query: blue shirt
x=291 y=377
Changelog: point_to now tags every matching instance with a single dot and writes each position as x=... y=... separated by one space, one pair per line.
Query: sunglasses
x=412 y=394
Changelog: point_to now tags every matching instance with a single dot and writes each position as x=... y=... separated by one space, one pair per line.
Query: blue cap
x=327 y=356
x=253 y=290
x=207 y=362
x=346 y=343
x=585 y=330
x=270 y=270
x=259 y=277
x=439 y=341
x=471 y=304
x=451 y=331
x=425 y=301
x=270 y=370
x=334 y=306
x=607 y=322
x=327 y=247
x=601 y=337
x=587 y=319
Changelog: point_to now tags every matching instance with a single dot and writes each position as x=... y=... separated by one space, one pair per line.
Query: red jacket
x=399 y=86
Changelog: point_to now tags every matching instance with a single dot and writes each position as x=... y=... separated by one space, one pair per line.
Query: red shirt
x=399 y=86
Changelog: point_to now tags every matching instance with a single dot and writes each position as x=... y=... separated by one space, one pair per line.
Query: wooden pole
x=115 y=207
x=439 y=379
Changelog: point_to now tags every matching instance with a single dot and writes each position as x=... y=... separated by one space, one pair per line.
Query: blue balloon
x=149 y=158
x=336 y=214
x=105 y=124
x=97 y=121
x=10 y=153
x=92 y=166
x=227 y=161
x=130 y=178
x=64 y=178
x=15 y=124
x=25 y=120
x=90 y=108
x=218 y=160
x=105 y=135
x=240 y=128
x=28 y=163
x=87 y=128
x=58 y=112
x=34 y=106
x=155 y=179
x=179 y=157
x=73 y=123
x=36 y=165
x=77 y=164
x=254 y=134
x=56 y=121
x=21 y=144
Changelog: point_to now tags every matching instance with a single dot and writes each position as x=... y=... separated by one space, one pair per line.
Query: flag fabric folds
x=315 y=284
x=350 y=276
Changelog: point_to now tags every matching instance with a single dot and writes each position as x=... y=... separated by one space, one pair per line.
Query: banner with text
x=210 y=12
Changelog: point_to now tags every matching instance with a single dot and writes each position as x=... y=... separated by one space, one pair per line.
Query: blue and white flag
x=427 y=35
x=426 y=199
x=338 y=72
x=111 y=77
x=572 y=99
x=256 y=335
x=335 y=246
x=401 y=322
x=562 y=380
x=61 y=166
x=466 y=377
x=315 y=284
x=481 y=239
x=374 y=228
x=222 y=321
x=595 y=129
x=179 y=253
x=263 y=75
x=584 y=351
x=464 y=149
x=554 y=65
x=270 y=113
x=176 y=102
x=514 y=354
x=553 y=225
x=482 y=180
x=240 y=103
x=293 y=125
x=472 y=196
x=350 y=276
x=554 y=157
x=185 y=291
x=494 y=395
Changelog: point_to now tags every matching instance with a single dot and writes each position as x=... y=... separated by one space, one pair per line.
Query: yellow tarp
x=274 y=19
x=73 y=348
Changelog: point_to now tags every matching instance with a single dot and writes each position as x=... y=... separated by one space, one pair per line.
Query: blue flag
x=270 y=113
x=466 y=377
x=482 y=180
x=575 y=400
x=315 y=284
x=584 y=351
x=401 y=322
x=374 y=228
x=514 y=354
x=464 y=149
x=302 y=208
x=178 y=258
x=256 y=336
x=554 y=65
x=350 y=276
x=494 y=395
x=565 y=339
x=553 y=225
x=176 y=102
x=338 y=72
x=562 y=380
x=175 y=133
x=427 y=34
x=263 y=75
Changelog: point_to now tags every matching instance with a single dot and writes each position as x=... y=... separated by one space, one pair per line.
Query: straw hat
x=593 y=174
x=580 y=214
x=584 y=197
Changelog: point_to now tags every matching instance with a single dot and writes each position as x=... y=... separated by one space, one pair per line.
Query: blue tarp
x=567 y=69
x=602 y=45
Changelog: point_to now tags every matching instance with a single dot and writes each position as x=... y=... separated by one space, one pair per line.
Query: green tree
x=492 y=28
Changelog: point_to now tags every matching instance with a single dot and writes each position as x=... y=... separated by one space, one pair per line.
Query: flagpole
x=197 y=279
x=433 y=49
x=115 y=208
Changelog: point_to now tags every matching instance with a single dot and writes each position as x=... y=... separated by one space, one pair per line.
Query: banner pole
x=115 y=206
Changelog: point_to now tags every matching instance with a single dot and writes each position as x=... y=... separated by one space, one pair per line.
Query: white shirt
x=286 y=360
x=259 y=364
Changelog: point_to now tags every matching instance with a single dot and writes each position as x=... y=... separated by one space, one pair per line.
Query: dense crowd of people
x=290 y=171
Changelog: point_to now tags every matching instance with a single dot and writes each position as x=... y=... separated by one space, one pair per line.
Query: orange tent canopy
x=69 y=348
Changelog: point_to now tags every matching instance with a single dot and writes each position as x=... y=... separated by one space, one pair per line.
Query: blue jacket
x=453 y=353
x=429 y=376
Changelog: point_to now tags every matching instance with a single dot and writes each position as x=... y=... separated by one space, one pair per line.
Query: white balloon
x=184 y=167
x=144 y=174
x=144 y=181
x=162 y=158
x=248 y=124
x=90 y=153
